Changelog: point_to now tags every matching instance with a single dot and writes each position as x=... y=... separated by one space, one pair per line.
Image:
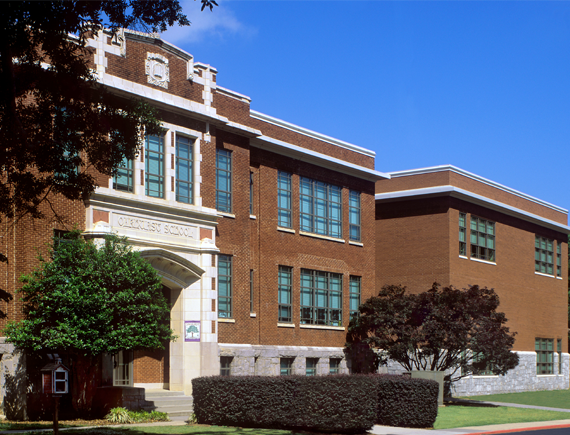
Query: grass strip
x=176 y=430
x=453 y=416
x=550 y=399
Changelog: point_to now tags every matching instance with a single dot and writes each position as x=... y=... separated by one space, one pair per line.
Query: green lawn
x=453 y=416
x=551 y=399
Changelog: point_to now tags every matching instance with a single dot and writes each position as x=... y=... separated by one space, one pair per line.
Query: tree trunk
x=86 y=379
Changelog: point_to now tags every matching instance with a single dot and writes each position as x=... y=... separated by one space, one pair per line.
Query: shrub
x=119 y=415
x=406 y=402
x=124 y=416
x=340 y=403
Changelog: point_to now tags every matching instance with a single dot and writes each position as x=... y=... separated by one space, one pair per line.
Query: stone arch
x=176 y=271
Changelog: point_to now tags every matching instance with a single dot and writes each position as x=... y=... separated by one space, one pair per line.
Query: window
x=321 y=298
x=251 y=291
x=484 y=371
x=334 y=366
x=355 y=282
x=184 y=170
x=284 y=199
x=223 y=180
x=544 y=355
x=154 y=166
x=311 y=369
x=321 y=208
x=225 y=286
x=544 y=255
x=226 y=365
x=125 y=176
x=285 y=282
x=354 y=215
x=559 y=350
x=462 y=234
x=251 y=193
x=482 y=239
x=286 y=366
x=558 y=259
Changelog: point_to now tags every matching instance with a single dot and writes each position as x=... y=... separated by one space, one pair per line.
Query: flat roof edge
x=442 y=168
x=476 y=199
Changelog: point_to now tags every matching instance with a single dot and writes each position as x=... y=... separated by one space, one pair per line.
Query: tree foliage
x=443 y=329
x=56 y=122
x=90 y=300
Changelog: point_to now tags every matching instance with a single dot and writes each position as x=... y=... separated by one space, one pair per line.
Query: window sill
x=333 y=328
x=226 y=320
x=286 y=230
x=350 y=242
x=485 y=376
x=464 y=257
x=483 y=261
x=228 y=215
x=252 y=216
x=252 y=315
x=545 y=274
x=285 y=325
x=318 y=236
x=547 y=376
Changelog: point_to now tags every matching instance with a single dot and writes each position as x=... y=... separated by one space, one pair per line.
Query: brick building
x=448 y=225
x=268 y=235
x=262 y=231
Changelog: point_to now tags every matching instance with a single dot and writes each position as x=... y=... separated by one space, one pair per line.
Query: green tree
x=89 y=300
x=443 y=329
x=56 y=123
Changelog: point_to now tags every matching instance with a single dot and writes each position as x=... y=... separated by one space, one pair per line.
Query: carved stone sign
x=154 y=226
x=192 y=330
x=156 y=69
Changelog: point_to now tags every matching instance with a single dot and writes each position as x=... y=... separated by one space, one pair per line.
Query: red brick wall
x=418 y=243
x=257 y=245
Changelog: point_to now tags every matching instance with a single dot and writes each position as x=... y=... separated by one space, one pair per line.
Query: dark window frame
x=227 y=280
x=224 y=173
x=320 y=208
x=317 y=288
x=151 y=178
x=184 y=164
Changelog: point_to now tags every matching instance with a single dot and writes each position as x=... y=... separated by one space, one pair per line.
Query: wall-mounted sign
x=191 y=330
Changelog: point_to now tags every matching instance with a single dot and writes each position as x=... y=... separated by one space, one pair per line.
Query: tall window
x=251 y=193
x=224 y=286
x=544 y=355
x=284 y=199
x=124 y=178
x=184 y=170
x=354 y=215
x=544 y=255
x=223 y=180
x=482 y=239
x=154 y=166
x=286 y=366
x=226 y=365
x=462 y=234
x=311 y=366
x=559 y=350
x=321 y=298
x=251 y=291
x=355 y=283
x=285 y=291
x=558 y=259
x=321 y=208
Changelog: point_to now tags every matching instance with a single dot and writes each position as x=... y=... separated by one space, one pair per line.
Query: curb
x=525 y=429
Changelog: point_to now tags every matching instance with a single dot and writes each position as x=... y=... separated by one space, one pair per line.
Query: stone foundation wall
x=521 y=378
x=265 y=360
x=13 y=382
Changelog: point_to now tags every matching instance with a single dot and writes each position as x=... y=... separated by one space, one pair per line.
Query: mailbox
x=55 y=378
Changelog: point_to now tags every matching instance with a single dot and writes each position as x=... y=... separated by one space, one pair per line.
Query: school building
x=268 y=235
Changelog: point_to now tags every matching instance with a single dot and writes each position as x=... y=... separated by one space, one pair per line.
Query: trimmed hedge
x=340 y=403
x=406 y=402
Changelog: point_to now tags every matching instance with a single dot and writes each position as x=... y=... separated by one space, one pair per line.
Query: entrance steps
x=174 y=403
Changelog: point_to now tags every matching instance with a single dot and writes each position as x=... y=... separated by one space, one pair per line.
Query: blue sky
x=481 y=85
